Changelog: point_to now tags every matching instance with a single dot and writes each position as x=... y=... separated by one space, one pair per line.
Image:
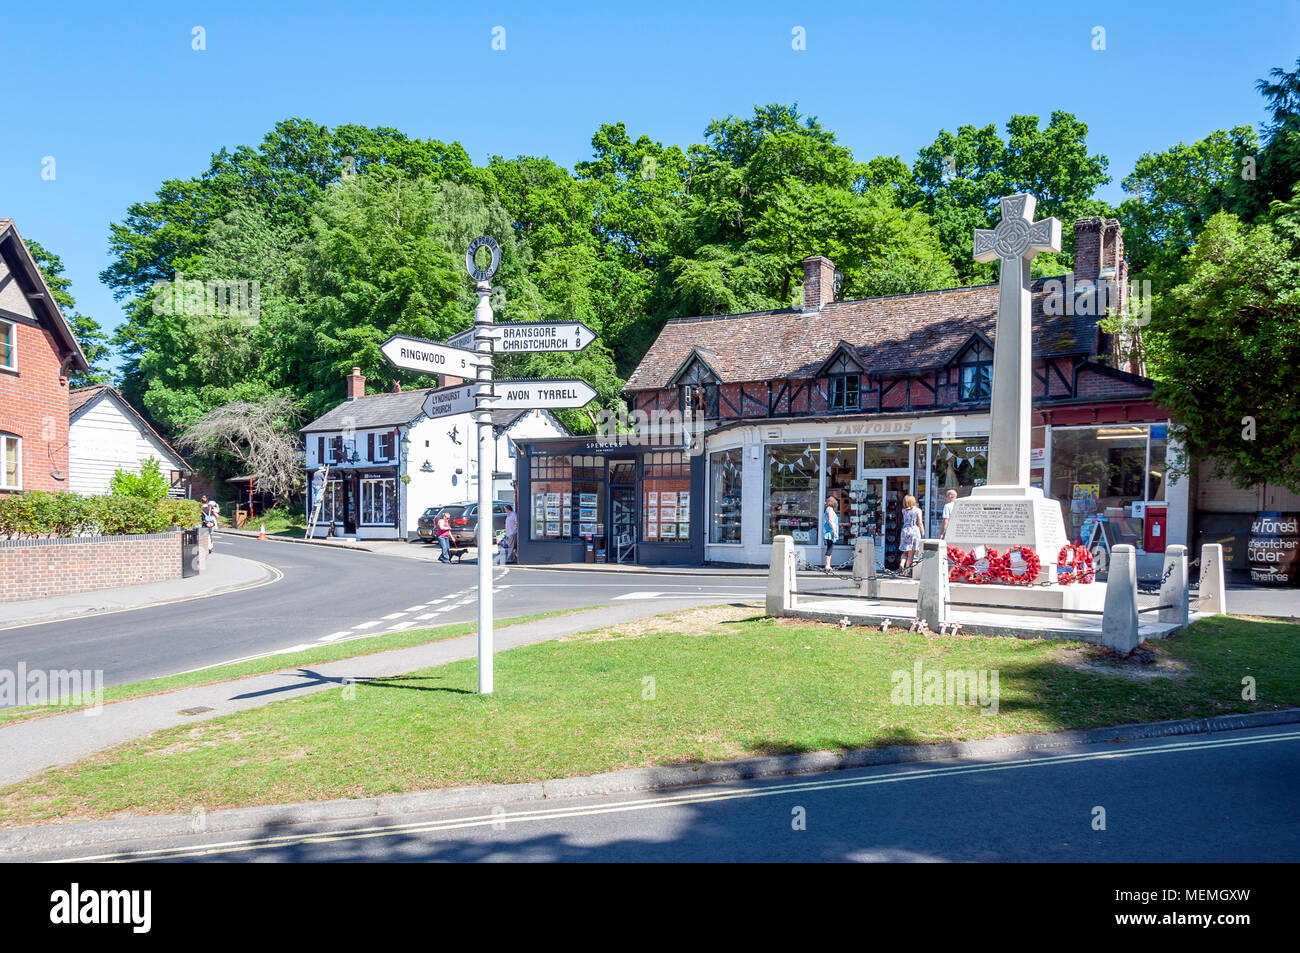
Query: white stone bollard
x=864 y=567
x=780 y=577
x=1119 y=623
x=1214 y=595
x=1173 y=586
x=932 y=597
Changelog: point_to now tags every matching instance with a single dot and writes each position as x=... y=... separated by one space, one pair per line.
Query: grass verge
x=352 y=648
x=698 y=685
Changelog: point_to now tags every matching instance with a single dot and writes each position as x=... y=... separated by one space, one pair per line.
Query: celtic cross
x=1015 y=241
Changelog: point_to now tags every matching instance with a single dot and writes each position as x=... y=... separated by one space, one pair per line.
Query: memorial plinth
x=1008 y=516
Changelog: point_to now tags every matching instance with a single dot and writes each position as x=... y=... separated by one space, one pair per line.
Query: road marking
x=426 y=616
x=639 y=595
x=393 y=615
x=367 y=625
x=414 y=608
x=667 y=800
x=335 y=636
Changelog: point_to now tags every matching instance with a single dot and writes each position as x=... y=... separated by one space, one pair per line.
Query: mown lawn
x=699 y=685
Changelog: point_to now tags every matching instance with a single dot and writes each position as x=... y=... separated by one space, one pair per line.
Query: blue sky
x=122 y=101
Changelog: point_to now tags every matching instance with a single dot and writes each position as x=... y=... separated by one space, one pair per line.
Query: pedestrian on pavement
x=512 y=533
x=910 y=541
x=444 y=536
x=830 y=527
x=208 y=511
x=951 y=495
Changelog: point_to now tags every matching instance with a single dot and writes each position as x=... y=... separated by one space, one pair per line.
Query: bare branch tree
x=262 y=436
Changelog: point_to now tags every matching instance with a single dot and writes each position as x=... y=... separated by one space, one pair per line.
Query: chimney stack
x=1099 y=260
x=356 y=384
x=818 y=282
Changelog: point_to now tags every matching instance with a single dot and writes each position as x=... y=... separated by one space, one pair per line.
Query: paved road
x=330 y=595
x=1228 y=796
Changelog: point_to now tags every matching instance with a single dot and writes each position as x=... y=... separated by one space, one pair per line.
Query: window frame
x=5 y=438
x=12 y=346
x=978 y=387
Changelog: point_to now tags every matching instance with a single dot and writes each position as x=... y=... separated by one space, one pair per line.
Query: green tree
x=1174 y=193
x=1277 y=172
x=1229 y=337
x=962 y=176
x=89 y=334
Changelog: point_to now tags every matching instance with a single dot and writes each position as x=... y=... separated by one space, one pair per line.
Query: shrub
x=37 y=513
x=148 y=484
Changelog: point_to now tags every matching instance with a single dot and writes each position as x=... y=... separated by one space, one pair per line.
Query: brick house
x=38 y=352
x=873 y=399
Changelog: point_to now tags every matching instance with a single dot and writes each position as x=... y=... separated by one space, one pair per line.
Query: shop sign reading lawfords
x=901 y=426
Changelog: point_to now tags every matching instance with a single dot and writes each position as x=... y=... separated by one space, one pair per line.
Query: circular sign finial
x=475 y=272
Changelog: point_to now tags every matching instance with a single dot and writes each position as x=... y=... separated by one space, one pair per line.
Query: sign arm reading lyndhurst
x=470 y=354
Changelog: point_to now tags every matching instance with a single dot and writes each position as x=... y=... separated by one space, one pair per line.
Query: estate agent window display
x=568 y=498
x=666 y=497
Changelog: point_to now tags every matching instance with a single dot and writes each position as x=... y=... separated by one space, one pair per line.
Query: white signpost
x=541 y=393
x=524 y=337
x=429 y=357
x=481 y=398
x=448 y=401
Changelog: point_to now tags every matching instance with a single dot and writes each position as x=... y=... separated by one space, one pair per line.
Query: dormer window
x=845 y=389
x=975 y=369
x=697 y=388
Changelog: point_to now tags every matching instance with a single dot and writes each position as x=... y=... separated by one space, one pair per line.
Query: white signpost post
x=482 y=397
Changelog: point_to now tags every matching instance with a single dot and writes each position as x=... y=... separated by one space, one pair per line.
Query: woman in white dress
x=910 y=540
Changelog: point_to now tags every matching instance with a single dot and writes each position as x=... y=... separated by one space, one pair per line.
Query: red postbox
x=1155 y=528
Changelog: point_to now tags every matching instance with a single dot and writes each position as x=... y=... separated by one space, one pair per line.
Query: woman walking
x=830 y=528
x=444 y=536
x=910 y=541
x=208 y=511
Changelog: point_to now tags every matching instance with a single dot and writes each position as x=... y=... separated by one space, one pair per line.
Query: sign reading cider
x=1274 y=548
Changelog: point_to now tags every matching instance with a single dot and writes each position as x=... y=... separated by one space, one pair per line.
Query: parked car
x=428 y=522
x=464 y=522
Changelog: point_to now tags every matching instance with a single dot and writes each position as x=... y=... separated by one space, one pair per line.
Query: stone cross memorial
x=1008 y=511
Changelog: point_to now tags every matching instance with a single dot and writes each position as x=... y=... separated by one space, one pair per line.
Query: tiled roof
x=81 y=396
x=892 y=335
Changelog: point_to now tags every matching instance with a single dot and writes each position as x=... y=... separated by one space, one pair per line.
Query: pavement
x=1214 y=789
x=29 y=747
x=223 y=573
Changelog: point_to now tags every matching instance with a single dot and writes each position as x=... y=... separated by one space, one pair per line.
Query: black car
x=464 y=522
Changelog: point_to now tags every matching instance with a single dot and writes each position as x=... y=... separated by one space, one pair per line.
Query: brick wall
x=34 y=406
x=40 y=568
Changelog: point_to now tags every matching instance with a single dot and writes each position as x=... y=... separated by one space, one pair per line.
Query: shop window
x=790 y=491
x=959 y=463
x=841 y=471
x=1159 y=448
x=379 y=502
x=11 y=462
x=975 y=367
x=666 y=503
x=552 y=483
x=886 y=455
x=331 y=510
x=1098 y=473
x=725 y=469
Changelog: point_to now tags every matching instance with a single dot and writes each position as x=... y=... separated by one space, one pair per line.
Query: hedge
x=37 y=513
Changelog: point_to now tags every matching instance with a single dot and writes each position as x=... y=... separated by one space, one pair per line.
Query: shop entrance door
x=349 y=486
x=880 y=514
x=622 y=511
